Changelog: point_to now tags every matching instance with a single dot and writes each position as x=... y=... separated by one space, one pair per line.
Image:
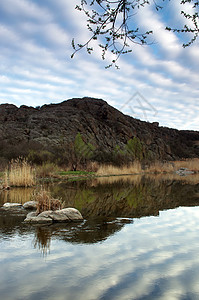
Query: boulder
x=38 y=219
x=30 y=205
x=63 y=215
x=12 y=205
x=184 y=172
x=72 y=213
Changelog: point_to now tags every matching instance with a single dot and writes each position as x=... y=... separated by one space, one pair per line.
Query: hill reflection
x=105 y=203
x=128 y=197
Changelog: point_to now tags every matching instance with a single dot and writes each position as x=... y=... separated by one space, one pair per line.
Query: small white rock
x=12 y=205
x=30 y=205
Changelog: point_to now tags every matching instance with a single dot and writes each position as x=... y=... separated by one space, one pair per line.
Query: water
x=139 y=241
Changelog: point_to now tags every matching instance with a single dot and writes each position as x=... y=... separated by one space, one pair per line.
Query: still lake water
x=139 y=240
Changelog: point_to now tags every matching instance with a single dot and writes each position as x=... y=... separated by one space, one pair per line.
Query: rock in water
x=41 y=218
x=30 y=205
x=72 y=213
x=12 y=205
x=184 y=172
x=63 y=215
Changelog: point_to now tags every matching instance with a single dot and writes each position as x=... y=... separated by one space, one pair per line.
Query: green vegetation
x=75 y=173
x=81 y=152
x=40 y=157
x=135 y=149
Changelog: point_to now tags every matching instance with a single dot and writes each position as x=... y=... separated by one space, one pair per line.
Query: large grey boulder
x=30 y=205
x=12 y=205
x=63 y=215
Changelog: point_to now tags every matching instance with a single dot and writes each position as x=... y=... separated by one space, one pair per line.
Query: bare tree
x=111 y=23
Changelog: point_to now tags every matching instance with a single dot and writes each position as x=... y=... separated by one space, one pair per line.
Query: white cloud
x=25 y=9
x=35 y=62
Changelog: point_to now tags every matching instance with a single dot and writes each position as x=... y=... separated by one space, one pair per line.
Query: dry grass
x=20 y=173
x=46 y=202
x=159 y=167
x=5 y=180
x=92 y=166
x=155 y=168
x=170 y=167
x=134 y=168
x=191 y=164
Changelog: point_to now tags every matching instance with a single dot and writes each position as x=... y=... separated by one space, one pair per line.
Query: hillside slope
x=50 y=126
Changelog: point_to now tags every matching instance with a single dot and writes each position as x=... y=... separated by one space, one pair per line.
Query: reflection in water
x=42 y=239
x=16 y=195
x=86 y=232
x=190 y=179
x=134 y=179
x=109 y=255
x=152 y=258
x=126 y=198
x=116 y=196
x=130 y=179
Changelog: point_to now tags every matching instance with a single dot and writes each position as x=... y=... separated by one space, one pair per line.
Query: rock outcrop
x=63 y=215
x=54 y=125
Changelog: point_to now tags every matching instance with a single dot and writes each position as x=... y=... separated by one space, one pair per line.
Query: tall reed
x=20 y=173
x=46 y=202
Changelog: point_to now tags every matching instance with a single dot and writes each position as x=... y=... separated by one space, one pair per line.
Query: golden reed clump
x=46 y=202
x=20 y=173
x=156 y=167
x=133 y=168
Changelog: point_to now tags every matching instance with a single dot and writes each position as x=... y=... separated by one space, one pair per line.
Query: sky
x=157 y=82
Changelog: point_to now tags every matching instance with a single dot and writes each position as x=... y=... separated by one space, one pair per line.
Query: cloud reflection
x=155 y=257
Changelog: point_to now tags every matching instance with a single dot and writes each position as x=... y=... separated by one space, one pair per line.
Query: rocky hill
x=51 y=126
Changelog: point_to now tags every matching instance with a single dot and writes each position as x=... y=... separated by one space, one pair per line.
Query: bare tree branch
x=111 y=23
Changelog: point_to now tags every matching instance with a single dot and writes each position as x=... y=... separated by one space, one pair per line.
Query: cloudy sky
x=154 y=83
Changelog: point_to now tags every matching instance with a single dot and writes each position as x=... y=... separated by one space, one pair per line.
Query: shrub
x=40 y=156
x=135 y=149
x=47 y=169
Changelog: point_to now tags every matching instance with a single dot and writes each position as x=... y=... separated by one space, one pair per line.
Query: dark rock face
x=100 y=124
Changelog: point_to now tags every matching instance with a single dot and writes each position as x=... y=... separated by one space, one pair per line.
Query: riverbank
x=21 y=173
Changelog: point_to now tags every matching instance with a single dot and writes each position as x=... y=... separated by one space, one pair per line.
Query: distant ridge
x=50 y=126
